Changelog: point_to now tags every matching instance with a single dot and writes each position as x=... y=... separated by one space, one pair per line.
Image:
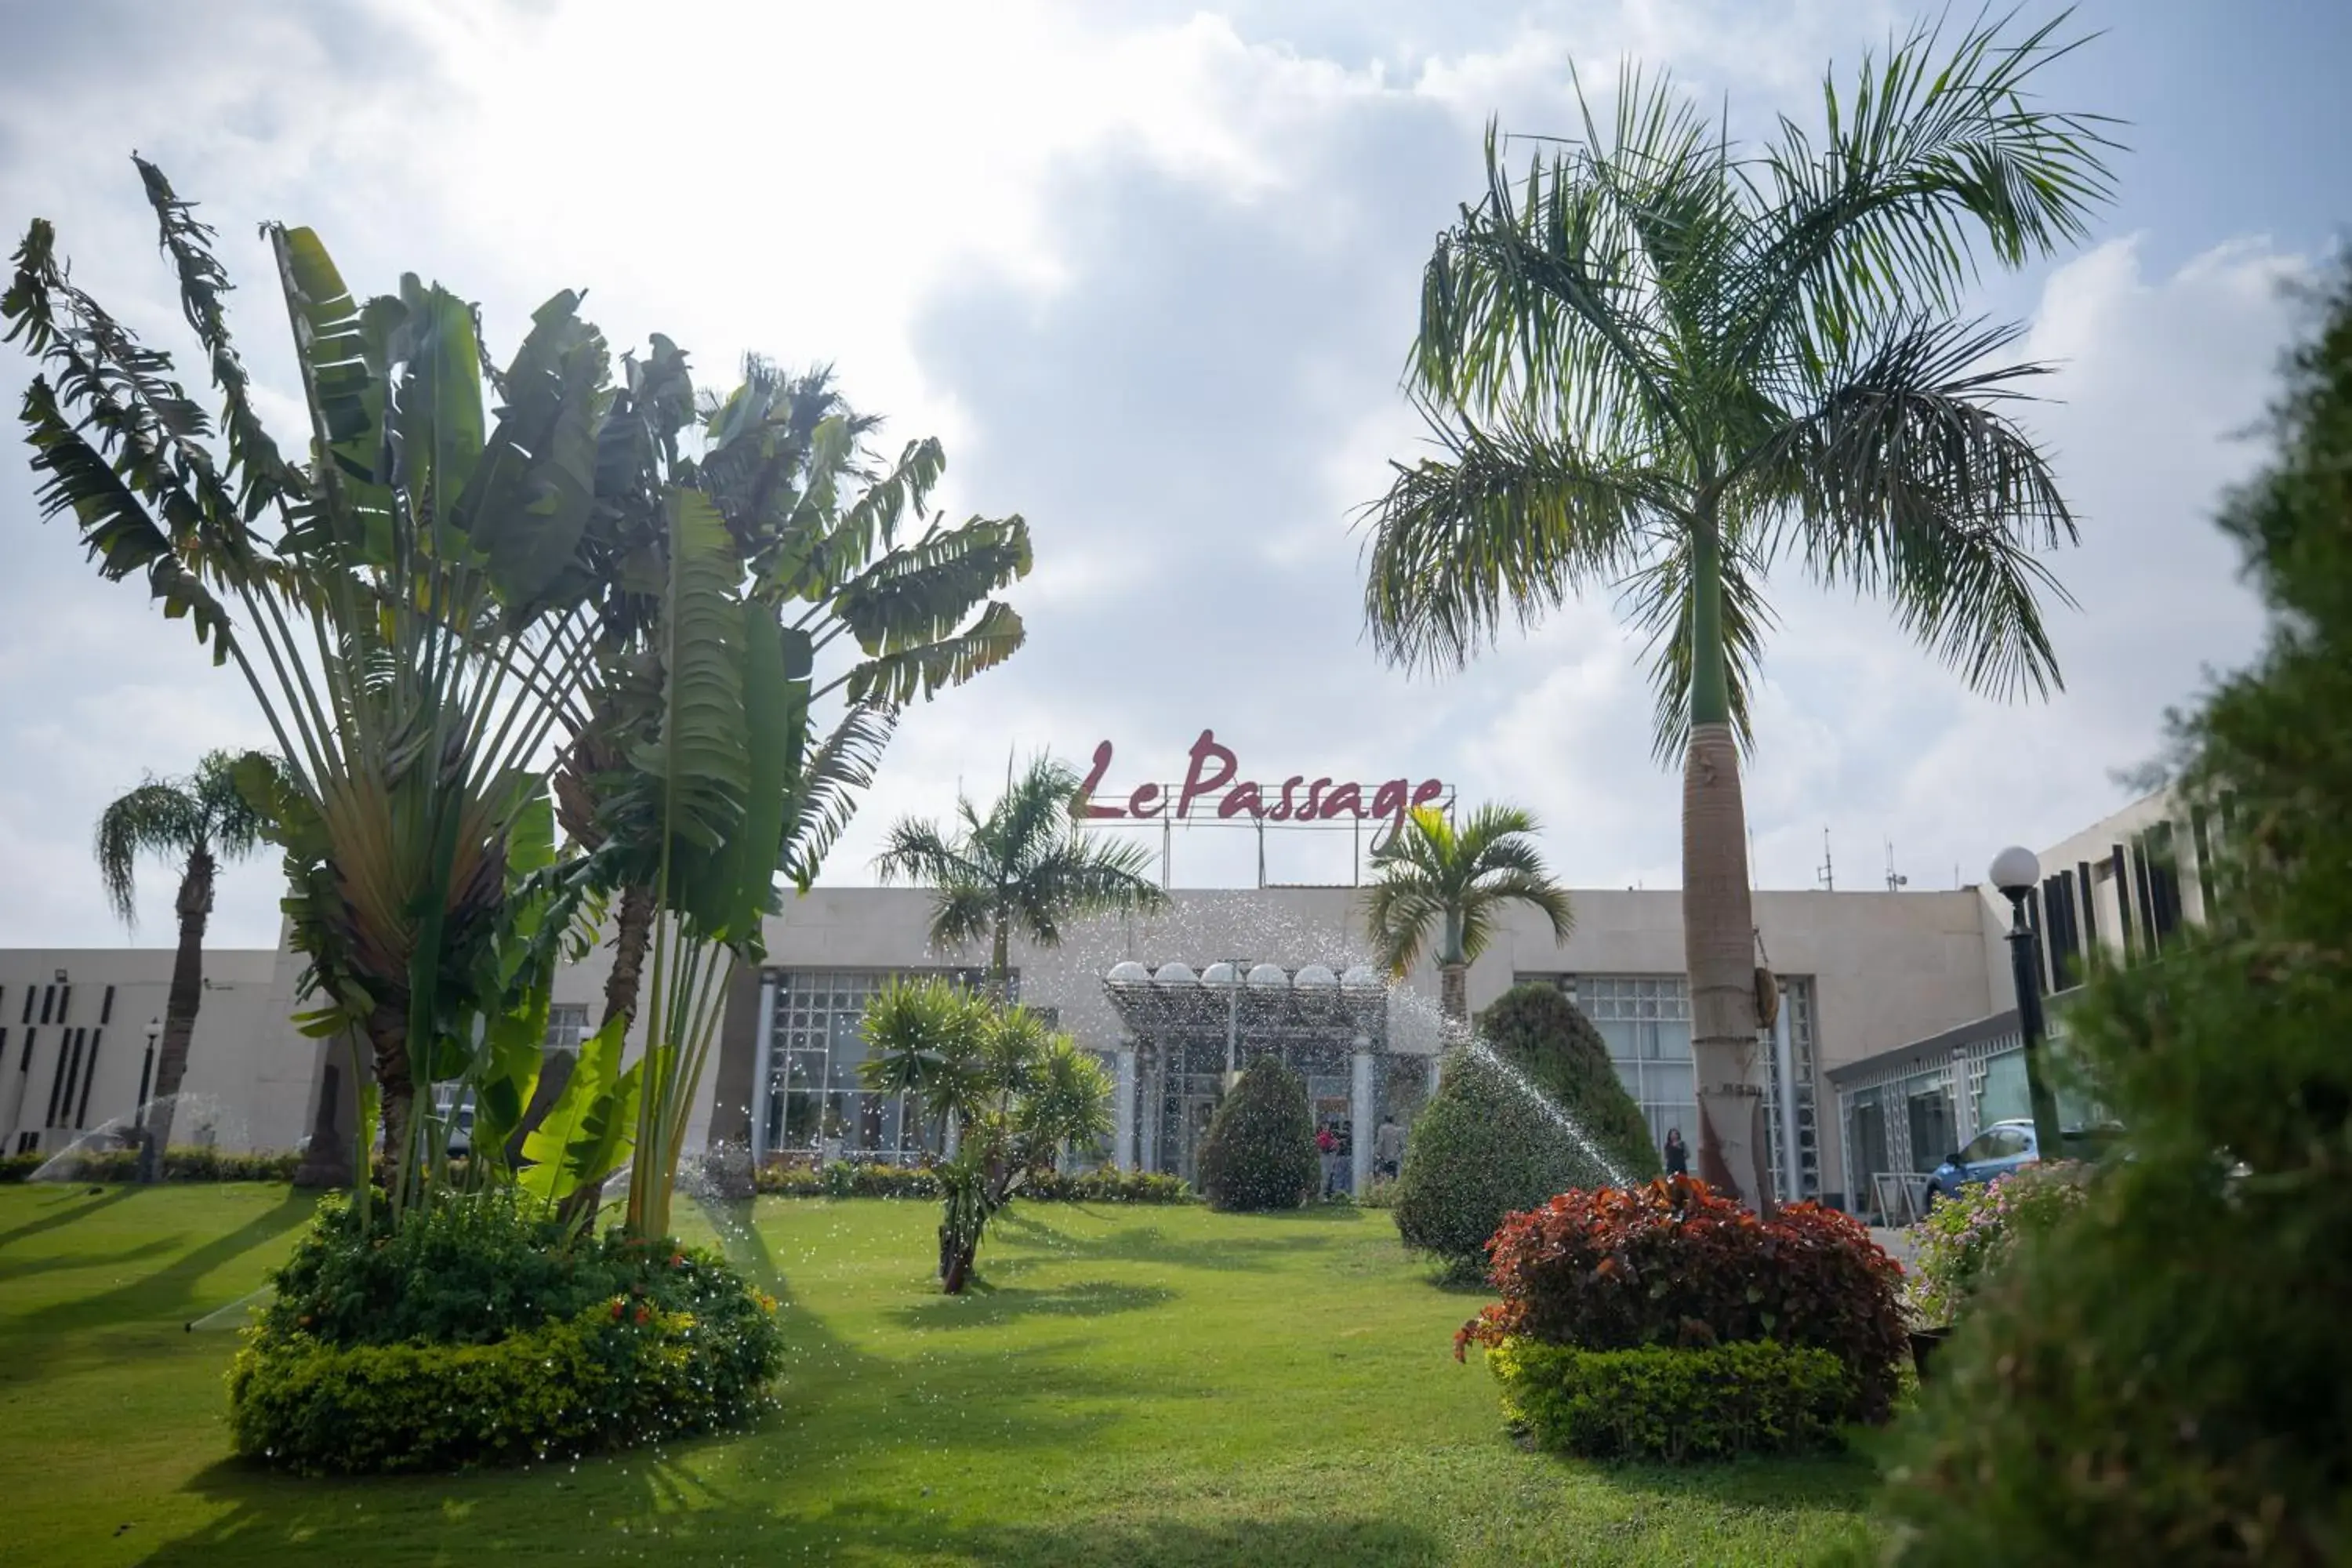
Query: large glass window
x=815 y=1102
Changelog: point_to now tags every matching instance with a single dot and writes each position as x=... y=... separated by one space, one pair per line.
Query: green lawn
x=1129 y=1386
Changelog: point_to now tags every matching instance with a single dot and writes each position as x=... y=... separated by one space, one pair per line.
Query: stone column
x=763 y=1067
x=1363 y=1113
x=1123 y=1148
x=1784 y=1085
x=1153 y=1065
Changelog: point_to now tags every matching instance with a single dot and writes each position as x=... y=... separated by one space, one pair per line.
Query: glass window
x=1995 y=1143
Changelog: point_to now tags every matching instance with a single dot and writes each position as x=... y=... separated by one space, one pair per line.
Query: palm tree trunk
x=1453 y=1002
x=195 y=908
x=387 y=1032
x=633 y=935
x=1000 y=965
x=1718 y=921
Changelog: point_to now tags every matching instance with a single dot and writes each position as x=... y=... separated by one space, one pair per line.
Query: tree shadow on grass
x=987 y=1306
x=668 y=1506
x=1842 y=1483
x=170 y=1291
x=1150 y=1244
x=63 y=1213
x=24 y=1268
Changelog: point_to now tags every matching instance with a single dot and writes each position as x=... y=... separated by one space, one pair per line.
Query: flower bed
x=479 y=1335
x=1672 y=1269
x=1968 y=1237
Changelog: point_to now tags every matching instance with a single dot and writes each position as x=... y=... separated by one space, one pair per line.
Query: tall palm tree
x=199 y=821
x=1430 y=880
x=1027 y=864
x=1664 y=364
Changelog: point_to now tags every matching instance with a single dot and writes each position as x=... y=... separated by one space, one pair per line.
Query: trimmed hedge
x=1536 y=1029
x=184 y=1162
x=1259 y=1152
x=1671 y=1264
x=1480 y=1150
x=844 y=1180
x=616 y=1374
x=478 y=1331
x=1678 y=1406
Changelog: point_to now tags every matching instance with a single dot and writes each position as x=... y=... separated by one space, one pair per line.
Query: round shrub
x=1971 y=1236
x=1671 y=1264
x=1259 y=1151
x=1536 y=1029
x=473 y=1334
x=1479 y=1151
x=1758 y=1397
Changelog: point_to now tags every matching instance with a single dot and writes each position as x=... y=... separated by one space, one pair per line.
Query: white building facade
x=1170 y=1003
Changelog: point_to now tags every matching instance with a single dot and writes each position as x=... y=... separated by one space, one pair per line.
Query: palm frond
x=1930 y=148
x=920 y=592
x=255 y=466
x=1659 y=600
x=158 y=817
x=928 y=669
x=838 y=773
x=1507 y=523
x=1913 y=482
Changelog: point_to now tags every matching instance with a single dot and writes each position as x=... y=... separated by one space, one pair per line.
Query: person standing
x=1326 y=1143
x=1678 y=1156
x=1387 y=1148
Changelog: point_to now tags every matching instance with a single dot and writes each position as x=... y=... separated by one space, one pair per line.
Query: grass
x=1126 y=1386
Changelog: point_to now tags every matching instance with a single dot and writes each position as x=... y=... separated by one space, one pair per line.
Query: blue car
x=2006 y=1146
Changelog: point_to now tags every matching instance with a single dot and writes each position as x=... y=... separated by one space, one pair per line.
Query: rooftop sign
x=1211 y=769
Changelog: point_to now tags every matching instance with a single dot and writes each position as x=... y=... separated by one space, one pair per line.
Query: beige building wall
x=1886 y=969
x=231 y=1060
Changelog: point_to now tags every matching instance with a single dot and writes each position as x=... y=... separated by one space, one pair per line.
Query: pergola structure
x=1191 y=1032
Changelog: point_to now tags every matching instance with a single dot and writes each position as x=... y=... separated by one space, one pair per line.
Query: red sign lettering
x=1211 y=767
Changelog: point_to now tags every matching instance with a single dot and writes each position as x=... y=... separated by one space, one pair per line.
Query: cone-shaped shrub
x=1259 y=1152
x=1482 y=1149
x=1536 y=1029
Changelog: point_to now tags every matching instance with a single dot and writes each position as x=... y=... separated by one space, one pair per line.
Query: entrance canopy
x=1268 y=1003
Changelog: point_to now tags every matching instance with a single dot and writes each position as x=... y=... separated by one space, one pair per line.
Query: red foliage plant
x=1671 y=1263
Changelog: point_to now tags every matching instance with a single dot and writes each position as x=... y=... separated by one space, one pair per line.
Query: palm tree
x=405 y=599
x=822 y=534
x=198 y=821
x=1430 y=880
x=1021 y=1093
x=1026 y=864
x=1663 y=365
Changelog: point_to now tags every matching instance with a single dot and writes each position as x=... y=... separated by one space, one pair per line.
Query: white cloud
x=1152 y=275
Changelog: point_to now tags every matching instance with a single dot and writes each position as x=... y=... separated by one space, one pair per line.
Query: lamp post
x=2014 y=873
x=147 y=1067
x=150 y=1157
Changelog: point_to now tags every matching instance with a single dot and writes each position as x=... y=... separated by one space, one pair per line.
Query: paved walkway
x=1904 y=1243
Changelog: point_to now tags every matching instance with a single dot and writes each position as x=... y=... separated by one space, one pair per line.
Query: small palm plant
x=199 y=822
x=1020 y=1094
x=1026 y=864
x=1436 y=886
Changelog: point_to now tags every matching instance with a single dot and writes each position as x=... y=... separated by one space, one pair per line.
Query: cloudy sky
x=1148 y=270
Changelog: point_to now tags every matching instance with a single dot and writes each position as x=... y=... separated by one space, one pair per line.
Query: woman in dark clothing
x=1677 y=1157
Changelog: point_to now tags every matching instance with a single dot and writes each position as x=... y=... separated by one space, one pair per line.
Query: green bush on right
x=2166 y=1376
